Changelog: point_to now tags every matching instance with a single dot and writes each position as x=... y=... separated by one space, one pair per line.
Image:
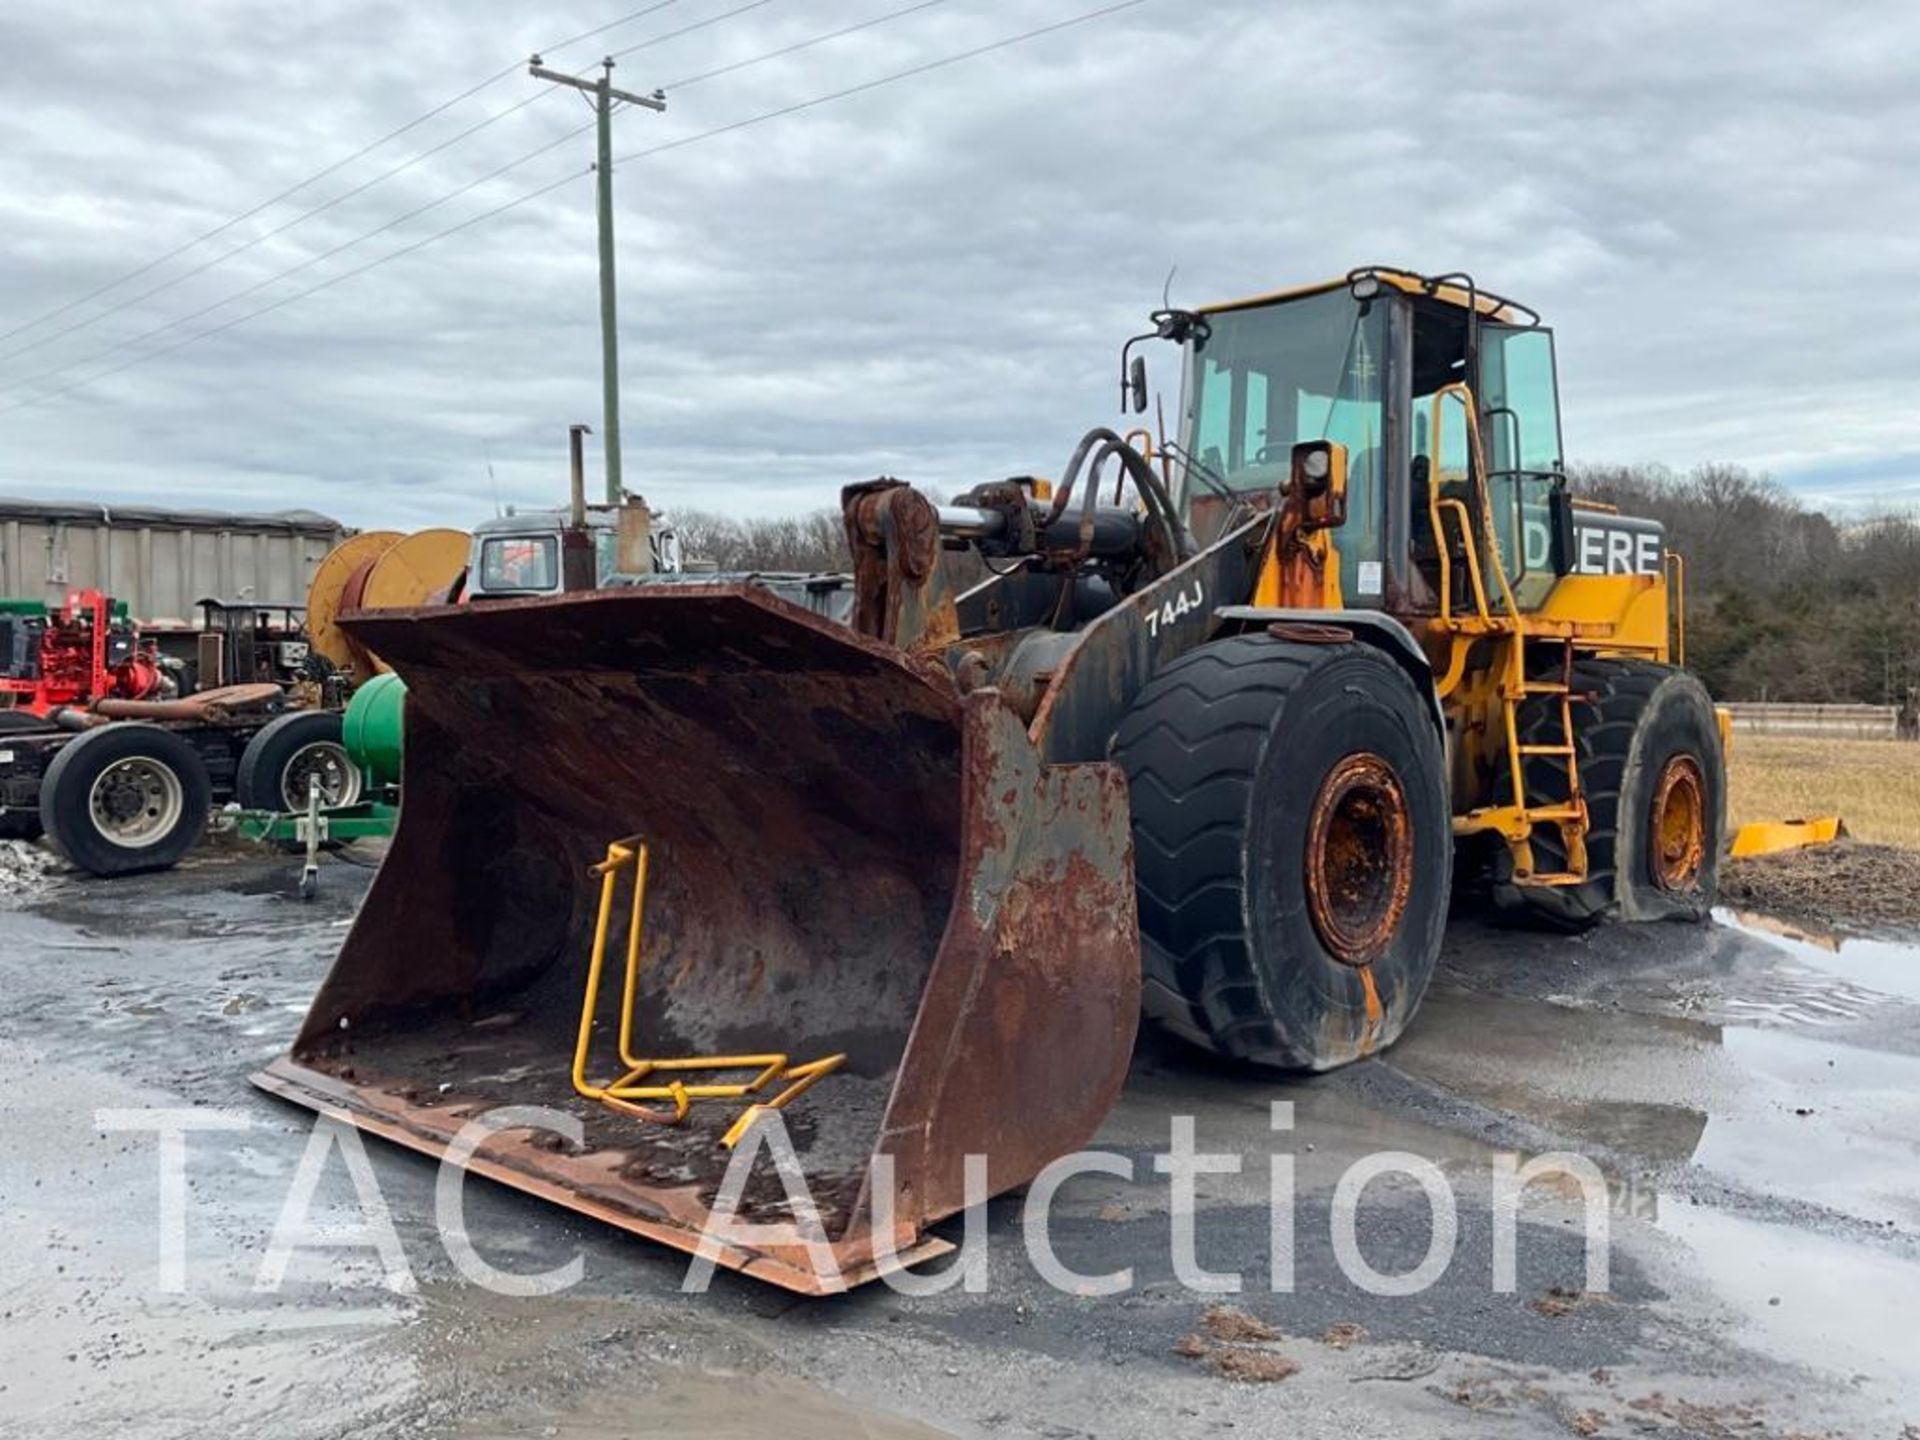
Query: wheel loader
x=1204 y=743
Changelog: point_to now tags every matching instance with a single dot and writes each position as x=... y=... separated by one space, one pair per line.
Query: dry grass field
x=1874 y=785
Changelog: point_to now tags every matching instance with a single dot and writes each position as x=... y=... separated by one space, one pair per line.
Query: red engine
x=75 y=655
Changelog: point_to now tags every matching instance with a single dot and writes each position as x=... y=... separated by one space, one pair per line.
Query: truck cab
x=519 y=553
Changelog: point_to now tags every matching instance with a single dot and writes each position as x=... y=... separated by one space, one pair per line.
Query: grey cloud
x=934 y=279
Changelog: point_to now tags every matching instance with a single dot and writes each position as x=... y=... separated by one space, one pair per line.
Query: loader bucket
x=845 y=857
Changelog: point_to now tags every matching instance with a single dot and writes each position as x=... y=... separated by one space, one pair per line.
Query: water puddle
x=1778 y=1112
x=1829 y=1124
x=1806 y=1298
x=1864 y=968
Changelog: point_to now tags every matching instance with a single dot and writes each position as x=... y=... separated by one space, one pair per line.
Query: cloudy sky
x=1718 y=208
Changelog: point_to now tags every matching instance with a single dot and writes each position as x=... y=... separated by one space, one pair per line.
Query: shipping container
x=162 y=563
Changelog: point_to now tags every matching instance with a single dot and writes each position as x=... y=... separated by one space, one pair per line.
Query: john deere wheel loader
x=1205 y=741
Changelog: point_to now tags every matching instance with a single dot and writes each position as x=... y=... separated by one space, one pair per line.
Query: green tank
x=373 y=727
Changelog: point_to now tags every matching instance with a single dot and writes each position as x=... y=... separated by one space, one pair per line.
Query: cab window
x=1517 y=391
x=520 y=562
x=1271 y=376
x=1523 y=452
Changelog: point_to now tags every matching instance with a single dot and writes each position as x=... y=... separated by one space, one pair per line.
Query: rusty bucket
x=847 y=856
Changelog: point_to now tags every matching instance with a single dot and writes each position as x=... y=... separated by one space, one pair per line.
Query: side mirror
x=1137 y=385
x=1560 y=517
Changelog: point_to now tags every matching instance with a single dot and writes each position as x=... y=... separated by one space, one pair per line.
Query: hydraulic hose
x=1151 y=486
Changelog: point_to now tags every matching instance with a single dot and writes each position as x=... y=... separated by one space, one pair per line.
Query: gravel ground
x=1848 y=886
x=26 y=867
x=1749 y=1100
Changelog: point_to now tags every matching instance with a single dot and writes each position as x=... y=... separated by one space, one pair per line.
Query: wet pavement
x=1752 y=1100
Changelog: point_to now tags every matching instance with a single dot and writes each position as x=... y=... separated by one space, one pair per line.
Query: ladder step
x=1546 y=749
x=1545 y=687
x=1553 y=812
x=1561 y=878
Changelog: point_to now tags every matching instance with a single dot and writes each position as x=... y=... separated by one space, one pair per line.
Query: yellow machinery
x=1770 y=837
x=1204 y=742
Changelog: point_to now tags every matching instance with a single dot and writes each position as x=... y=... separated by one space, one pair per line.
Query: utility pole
x=603 y=95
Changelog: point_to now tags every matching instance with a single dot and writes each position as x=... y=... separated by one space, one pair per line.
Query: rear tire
x=277 y=762
x=1292 y=848
x=124 y=798
x=1648 y=742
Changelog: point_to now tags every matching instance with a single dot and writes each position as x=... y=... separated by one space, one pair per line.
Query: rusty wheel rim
x=1679 y=824
x=1359 y=859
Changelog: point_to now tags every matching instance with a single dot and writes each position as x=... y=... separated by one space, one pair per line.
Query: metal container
x=373 y=727
x=160 y=562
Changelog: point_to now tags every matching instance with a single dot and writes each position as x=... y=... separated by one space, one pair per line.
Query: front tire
x=1655 y=779
x=1293 y=848
x=124 y=798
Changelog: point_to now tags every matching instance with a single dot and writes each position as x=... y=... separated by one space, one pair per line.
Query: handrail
x=1446 y=560
x=1677 y=597
x=1477 y=473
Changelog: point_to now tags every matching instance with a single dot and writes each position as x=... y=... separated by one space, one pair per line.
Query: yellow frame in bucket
x=623 y=1093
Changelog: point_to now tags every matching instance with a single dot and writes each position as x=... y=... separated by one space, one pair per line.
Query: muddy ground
x=1753 y=1099
x=1846 y=887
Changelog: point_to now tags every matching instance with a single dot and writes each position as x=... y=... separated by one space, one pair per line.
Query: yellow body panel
x=1615 y=612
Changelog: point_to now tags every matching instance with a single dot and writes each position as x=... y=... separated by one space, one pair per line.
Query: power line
x=89 y=321
x=185 y=275
x=547 y=189
x=41 y=377
x=639 y=14
x=306 y=264
x=870 y=85
x=284 y=301
x=366 y=185
x=794 y=49
x=700 y=25
x=318 y=175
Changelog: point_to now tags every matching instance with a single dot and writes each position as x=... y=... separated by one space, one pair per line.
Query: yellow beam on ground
x=1767 y=837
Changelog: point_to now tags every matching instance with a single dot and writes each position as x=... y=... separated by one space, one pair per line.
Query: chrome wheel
x=326 y=761
x=136 y=802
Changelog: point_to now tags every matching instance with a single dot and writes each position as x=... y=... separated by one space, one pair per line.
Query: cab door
x=1520 y=425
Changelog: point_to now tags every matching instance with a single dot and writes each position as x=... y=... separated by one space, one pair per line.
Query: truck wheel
x=279 y=762
x=1655 y=780
x=1292 y=847
x=124 y=798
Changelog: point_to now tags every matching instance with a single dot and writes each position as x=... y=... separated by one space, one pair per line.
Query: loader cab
x=1442 y=396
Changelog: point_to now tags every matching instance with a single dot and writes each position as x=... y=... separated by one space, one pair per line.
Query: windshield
x=1271 y=377
x=520 y=562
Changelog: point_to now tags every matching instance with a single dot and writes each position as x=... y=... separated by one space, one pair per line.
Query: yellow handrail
x=1459 y=508
x=1677 y=600
x=620 y=1094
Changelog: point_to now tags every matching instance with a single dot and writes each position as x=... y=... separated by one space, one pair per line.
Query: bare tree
x=1785 y=601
